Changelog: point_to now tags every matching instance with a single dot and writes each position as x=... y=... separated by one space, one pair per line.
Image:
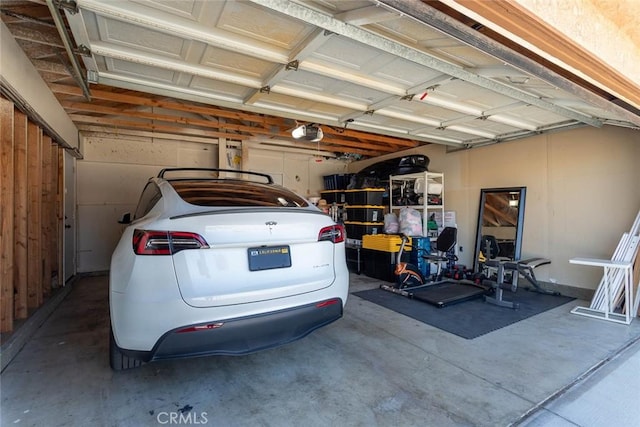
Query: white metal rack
x=426 y=182
x=616 y=285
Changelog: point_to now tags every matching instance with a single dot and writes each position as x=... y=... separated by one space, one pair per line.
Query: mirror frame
x=517 y=244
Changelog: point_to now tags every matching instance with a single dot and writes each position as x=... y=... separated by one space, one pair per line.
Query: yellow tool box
x=384 y=242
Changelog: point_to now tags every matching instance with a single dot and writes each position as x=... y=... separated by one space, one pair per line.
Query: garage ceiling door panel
x=258 y=23
x=307 y=109
x=345 y=92
x=310 y=82
x=188 y=9
x=422 y=110
x=408 y=30
x=365 y=65
x=434 y=43
x=384 y=124
x=540 y=117
x=119 y=33
x=415 y=128
x=362 y=94
x=488 y=126
x=466 y=56
x=406 y=73
x=351 y=54
x=222 y=89
x=224 y=59
x=468 y=94
x=411 y=33
x=143 y=16
x=126 y=68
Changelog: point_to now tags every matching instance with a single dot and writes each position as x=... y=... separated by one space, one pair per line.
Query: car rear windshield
x=235 y=193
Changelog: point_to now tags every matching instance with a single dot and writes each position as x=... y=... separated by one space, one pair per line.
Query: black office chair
x=445 y=245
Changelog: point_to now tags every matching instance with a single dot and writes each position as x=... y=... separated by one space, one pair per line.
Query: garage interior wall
x=114 y=171
x=31 y=206
x=582 y=194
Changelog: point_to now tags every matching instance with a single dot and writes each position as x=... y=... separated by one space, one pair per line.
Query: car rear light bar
x=333 y=233
x=154 y=242
x=199 y=328
x=328 y=302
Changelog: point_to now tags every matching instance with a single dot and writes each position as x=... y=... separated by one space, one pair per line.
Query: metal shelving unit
x=423 y=191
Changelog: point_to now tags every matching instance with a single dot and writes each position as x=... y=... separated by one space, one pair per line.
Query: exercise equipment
x=445 y=248
x=525 y=269
x=442 y=292
x=490 y=252
x=498 y=285
x=508 y=273
x=407 y=274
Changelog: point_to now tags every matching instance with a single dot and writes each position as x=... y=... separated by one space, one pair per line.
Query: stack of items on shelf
x=360 y=210
x=363 y=213
x=416 y=209
x=415 y=201
x=333 y=198
x=337 y=181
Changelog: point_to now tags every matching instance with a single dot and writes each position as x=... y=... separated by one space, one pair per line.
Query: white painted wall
x=302 y=173
x=582 y=193
x=110 y=179
x=114 y=172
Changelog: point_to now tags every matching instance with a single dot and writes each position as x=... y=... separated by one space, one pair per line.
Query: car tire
x=118 y=360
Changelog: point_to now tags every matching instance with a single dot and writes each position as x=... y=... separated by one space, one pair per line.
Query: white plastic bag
x=410 y=222
x=391 y=224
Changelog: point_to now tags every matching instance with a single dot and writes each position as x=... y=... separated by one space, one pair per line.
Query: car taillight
x=152 y=242
x=328 y=302
x=333 y=233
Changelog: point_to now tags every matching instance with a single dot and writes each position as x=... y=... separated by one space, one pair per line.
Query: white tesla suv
x=221 y=266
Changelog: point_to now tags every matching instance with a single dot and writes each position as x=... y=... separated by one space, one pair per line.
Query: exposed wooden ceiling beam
x=326 y=144
x=37 y=34
x=271 y=126
x=50 y=67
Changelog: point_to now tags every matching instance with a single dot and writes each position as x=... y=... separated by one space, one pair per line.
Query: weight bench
x=523 y=267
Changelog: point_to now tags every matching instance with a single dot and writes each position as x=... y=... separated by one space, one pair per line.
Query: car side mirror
x=126 y=219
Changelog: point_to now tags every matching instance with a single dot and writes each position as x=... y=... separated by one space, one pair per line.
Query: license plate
x=268 y=257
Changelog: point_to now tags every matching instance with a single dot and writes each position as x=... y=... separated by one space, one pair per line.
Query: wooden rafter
x=498 y=212
x=135 y=110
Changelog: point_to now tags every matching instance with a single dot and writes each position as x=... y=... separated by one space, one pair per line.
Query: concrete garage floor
x=372 y=367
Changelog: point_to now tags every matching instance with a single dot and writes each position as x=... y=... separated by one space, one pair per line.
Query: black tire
x=118 y=360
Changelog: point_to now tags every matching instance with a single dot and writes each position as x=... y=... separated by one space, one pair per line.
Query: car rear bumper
x=243 y=335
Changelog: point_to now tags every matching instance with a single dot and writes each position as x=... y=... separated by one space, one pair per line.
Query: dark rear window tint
x=235 y=193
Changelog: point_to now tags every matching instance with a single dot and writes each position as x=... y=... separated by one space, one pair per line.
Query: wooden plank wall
x=31 y=208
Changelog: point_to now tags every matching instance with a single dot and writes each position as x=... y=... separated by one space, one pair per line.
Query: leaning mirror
x=500 y=223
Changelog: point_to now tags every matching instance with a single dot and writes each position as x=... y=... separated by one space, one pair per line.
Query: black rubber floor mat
x=469 y=319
